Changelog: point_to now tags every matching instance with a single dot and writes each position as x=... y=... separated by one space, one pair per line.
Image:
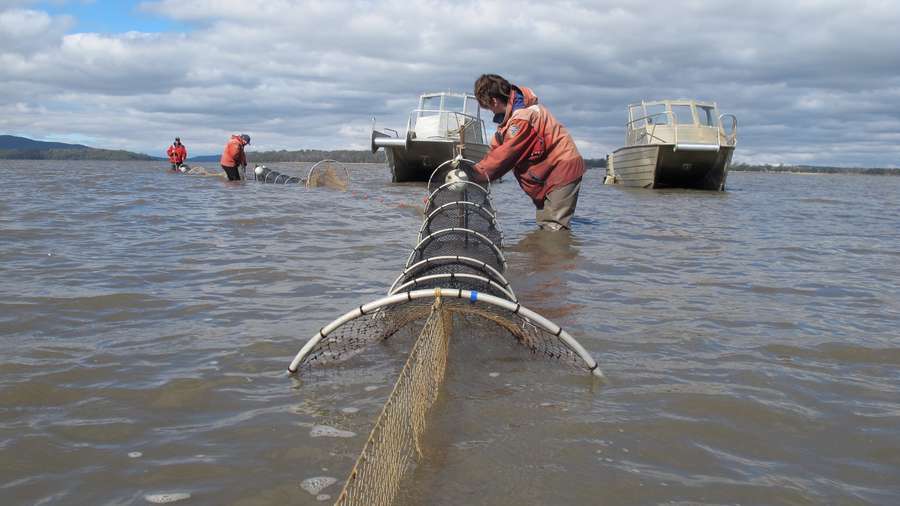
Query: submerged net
x=455 y=270
x=326 y=174
x=394 y=441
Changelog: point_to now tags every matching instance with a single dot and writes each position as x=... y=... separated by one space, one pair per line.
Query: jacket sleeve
x=514 y=149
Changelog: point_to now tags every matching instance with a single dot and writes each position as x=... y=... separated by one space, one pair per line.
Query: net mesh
x=450 y=265
x=465 y=192
x=328 y=174
x=461 y=242
x=463 y=215
x=359 y=333
x=394 y=440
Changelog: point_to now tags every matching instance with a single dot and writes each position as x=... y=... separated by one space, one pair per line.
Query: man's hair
x=491 y=86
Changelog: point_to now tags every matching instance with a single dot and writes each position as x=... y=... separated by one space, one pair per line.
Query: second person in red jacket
x=234 y=158
x=177 y=154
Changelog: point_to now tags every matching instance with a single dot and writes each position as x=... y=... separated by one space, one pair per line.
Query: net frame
x=491 y=230
x=529 y=317
x=433 y=201
x=418 y=253
x=439 y=175
x=471 y=279
x=450 y=260
x=310 y=180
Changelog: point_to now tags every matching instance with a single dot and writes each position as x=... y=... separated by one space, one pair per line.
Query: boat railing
x=445 y=125
x=637 y=134
x=648 y=130
x=728 y=138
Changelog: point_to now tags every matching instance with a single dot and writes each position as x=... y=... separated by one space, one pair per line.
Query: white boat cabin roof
x=448 y=101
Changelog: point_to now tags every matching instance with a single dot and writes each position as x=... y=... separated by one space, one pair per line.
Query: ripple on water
x=167 y=498
x=317 y=484
x=328 y=431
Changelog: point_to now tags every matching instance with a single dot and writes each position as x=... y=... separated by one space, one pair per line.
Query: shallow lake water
x=750 y=340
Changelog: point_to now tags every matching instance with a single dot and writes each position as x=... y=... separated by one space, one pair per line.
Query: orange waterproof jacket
x=234 y=156
x=177 y=154
x=536 y=147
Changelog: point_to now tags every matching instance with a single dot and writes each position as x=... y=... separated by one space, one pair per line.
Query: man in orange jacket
x=537 y=148
x=234 y=157
x=177 y=153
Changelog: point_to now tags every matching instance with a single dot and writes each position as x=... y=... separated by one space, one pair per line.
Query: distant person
x=234 y=158
x=537 y=148
x=177 y=153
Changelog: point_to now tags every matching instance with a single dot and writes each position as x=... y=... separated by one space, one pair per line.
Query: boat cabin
x=441 y=115
x=687 y=124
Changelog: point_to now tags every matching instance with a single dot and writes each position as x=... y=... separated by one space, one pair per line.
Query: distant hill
x=22 y=148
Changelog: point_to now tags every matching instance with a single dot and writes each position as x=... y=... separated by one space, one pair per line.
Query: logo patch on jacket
x=513 y=130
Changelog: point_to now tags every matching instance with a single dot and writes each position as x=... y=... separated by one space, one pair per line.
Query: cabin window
x=453 y=103
x=431 y=104
x=706 y=115
x=635 y=113
x=683 y=114
x=656 y=114
x=472 y=107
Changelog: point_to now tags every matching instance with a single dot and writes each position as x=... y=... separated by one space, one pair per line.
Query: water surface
x=147 y=318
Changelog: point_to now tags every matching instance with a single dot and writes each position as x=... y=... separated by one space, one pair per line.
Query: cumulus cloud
x=810 y=81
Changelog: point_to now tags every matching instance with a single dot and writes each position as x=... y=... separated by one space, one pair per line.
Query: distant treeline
x=71 y=154
x=595 y=163
x=314 y=155
x=743 y=167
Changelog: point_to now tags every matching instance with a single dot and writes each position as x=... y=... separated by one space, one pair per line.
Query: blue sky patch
x=111 y=16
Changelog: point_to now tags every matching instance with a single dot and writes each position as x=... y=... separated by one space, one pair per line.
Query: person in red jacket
x=234 y=157
x=177 y=153
x=538 y=149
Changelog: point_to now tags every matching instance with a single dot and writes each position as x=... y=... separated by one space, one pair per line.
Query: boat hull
x=664 y=166
x=418 y=159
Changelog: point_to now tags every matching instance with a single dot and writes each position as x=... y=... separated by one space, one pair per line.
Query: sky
x=811 y=82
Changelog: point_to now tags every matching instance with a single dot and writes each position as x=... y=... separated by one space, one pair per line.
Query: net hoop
x=327 y=160
x=441 y=172
x=413 y=283
x=450 y=293
x=481 y=210
x=491 y=272
x=469 y=185
x=501 y=260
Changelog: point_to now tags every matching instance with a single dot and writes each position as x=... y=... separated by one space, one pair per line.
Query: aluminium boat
x=442 y=126
x=674 y=144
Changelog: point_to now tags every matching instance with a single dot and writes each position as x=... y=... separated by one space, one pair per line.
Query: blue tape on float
x=473 y=296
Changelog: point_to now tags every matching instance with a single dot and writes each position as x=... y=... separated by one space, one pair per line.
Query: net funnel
x=329 y=174
x=459 y=241
x=451 y=264
x=455 y=192
x=466 y=215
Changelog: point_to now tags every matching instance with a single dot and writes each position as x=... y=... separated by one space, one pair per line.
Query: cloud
x=809 y=81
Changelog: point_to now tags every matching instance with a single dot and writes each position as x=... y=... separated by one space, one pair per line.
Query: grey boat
x=443 y=126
